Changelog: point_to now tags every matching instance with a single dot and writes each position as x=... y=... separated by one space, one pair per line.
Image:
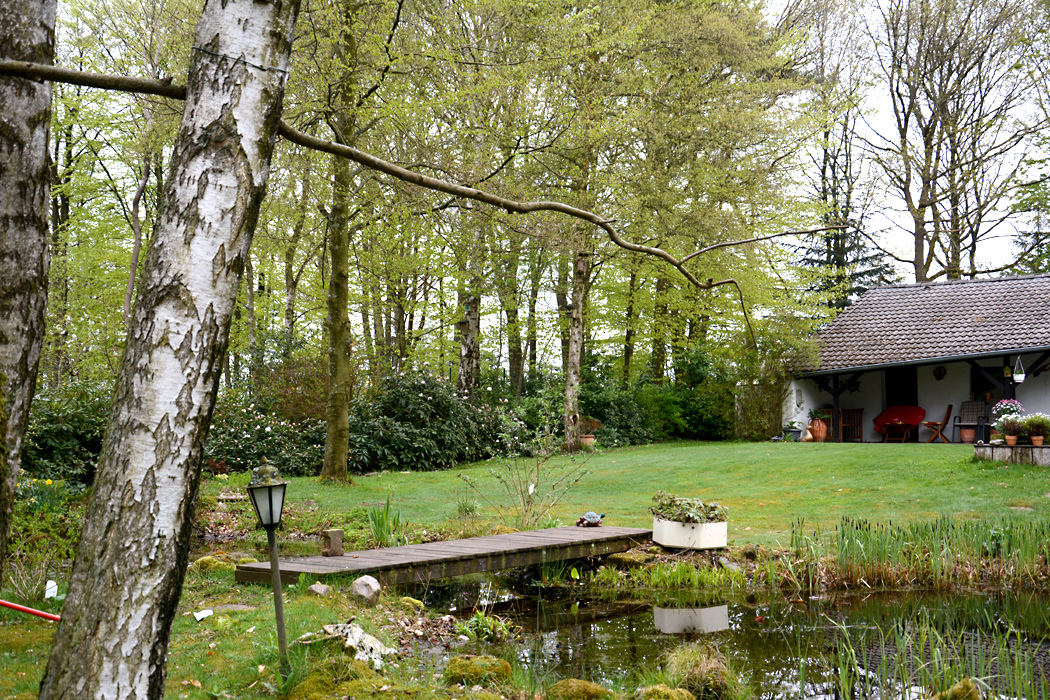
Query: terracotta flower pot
x=819 y=429
x=1037 y=440
x=968 y=435
x=1011 y=440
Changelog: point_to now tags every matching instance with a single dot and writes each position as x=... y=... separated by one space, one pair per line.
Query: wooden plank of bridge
x=437 y=560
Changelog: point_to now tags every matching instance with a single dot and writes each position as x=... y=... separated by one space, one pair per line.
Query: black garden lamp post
x=266 y=489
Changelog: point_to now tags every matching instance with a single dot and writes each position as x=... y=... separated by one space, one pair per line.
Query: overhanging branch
x=165 y=88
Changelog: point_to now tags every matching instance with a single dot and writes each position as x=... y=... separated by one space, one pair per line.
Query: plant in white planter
x=688 y=523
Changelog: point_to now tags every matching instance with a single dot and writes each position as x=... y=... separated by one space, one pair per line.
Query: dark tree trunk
x=116 y=622
x=27 y=33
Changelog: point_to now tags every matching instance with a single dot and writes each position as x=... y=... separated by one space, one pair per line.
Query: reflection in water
x=783 y=649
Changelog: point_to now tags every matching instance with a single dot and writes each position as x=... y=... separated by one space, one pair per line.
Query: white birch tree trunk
x=112 y=641
x=27 y=33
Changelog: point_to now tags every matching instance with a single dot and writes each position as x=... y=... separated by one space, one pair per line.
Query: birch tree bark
x=27 y=33
x=112 y=641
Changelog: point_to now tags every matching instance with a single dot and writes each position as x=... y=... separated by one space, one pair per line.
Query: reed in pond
x=934 y=555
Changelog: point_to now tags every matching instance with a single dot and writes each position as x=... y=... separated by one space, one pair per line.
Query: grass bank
x=767 y=487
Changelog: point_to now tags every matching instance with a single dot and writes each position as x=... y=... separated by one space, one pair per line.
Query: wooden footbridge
x=438 y=560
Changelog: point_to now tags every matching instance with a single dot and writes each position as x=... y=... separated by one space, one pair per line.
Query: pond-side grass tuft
x=939 y=554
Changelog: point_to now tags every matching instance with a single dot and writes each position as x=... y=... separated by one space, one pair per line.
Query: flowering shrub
x=42 y=495
x=1011 y=424
x=1007 y=407
x=242 y=434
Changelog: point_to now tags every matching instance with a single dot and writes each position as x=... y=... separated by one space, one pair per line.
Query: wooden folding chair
x=938 y=427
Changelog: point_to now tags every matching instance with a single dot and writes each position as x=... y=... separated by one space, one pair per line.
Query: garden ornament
x=590 y=519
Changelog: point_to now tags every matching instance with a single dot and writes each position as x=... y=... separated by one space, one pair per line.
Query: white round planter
x=670 y=533
x=691 y=620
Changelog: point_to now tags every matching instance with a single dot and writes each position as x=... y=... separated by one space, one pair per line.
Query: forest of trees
x=698 y=131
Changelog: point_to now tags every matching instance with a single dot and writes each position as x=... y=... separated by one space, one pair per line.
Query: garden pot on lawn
x=587 y=441
x=967 y=435
x=819 y=429
x=670 y=533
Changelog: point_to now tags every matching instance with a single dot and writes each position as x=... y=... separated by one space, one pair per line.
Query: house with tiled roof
x=930 y=345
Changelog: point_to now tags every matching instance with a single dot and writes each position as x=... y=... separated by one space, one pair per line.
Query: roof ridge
x=974 y=280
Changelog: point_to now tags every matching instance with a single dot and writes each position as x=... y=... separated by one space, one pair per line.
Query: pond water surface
x=783 y=648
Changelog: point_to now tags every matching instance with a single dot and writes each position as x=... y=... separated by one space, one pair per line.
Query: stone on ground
x=576 y=689
x=662 y=692
x=320 y=589
x=472 y=670
x=366 y=589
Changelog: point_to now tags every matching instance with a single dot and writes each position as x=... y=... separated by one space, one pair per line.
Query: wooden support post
x=332 y=543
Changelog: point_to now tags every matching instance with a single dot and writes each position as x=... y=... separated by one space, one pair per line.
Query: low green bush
x=417 y=421
x=64 y=435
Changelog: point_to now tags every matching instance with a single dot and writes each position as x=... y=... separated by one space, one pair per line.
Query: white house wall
x=1034 y=393
x=934 y=395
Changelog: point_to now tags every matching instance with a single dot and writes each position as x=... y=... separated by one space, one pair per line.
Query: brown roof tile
x=929 y=321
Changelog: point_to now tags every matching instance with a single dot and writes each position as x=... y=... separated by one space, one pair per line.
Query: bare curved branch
x=165 y=88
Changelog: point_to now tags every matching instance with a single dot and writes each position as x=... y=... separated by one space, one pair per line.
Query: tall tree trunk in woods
x=291 y=274
x=470 y=339
x=536 y=276
x=629 y=330
x=112 y=641
x=337 y=411
x=658 y=362
x=27 y=33
x=562 y=297
x=254 y=360
x=337 y=323
x=580 y=278
x=136 y=247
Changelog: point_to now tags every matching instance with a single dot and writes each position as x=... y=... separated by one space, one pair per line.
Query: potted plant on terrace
x=1037 y=425
x=818 y=423
x=1012 y=426
x=792 y=431
x=688 y=523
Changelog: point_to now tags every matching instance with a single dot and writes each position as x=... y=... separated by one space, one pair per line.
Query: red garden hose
x=31 y=611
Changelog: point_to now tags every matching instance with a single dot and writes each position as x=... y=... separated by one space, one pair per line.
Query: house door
x=902 y=389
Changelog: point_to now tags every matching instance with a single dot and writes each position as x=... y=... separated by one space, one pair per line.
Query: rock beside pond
x=212 y=563
x=662 y=692
x=631 y=559
x=366 y=589
x=701 y=670
x=576 y=689
x=473 y=670
x=965 y=689
x=365 y=647
x=504 y=530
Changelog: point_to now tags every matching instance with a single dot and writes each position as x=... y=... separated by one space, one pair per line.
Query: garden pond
x=827 y=646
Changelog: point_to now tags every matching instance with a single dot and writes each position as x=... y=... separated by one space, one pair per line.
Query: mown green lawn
x=767 y=486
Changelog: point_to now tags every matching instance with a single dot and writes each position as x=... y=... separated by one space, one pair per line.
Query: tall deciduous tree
x=962 y=116
x=112 y=640
x=27 y=33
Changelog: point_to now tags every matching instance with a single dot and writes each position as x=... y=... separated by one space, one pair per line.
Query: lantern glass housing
x=268 y=501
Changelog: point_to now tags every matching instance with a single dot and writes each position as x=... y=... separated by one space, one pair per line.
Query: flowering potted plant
x=1036 y=425
x=688 y=523
x=792 y=431
x=1011 y=425
x=1007 y=407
